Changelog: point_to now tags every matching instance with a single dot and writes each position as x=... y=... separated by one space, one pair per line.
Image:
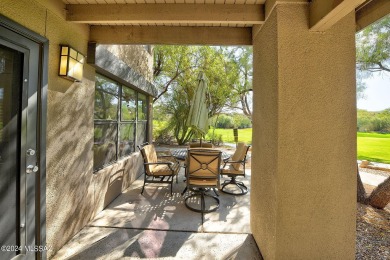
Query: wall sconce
x=71 y=63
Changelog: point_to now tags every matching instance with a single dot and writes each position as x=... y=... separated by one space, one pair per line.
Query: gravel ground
x=372 y=227
x=372 y=233
x=377 y=172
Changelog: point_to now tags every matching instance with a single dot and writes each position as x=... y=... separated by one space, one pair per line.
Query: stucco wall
x=74 y=194
x=303 y=195
x=265 y=125
x=136 y=56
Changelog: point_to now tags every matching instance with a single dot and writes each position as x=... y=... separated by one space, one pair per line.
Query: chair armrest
x=174 y=167
x=163 y=152
x=168 y=158
x=162 y=156
x=151 y=163
x=228 y=161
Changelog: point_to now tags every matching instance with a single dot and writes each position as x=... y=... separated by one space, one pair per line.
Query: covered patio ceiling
x=212 y=22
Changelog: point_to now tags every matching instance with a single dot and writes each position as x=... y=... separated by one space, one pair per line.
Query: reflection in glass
x=128 y=104
x=2 y=65
x=141 y=133
x=104 y=148
x=142 y=107
x=126 y=139
x=10 y=86
x=11 y=75
x=117 y=137
x=106 y=99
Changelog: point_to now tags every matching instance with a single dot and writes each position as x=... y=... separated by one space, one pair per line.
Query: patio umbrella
x=198 y=115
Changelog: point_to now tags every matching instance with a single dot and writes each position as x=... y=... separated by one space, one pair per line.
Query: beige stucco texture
x=303 y=196
x=303 y=186
x=137 y=57
x=74 y=193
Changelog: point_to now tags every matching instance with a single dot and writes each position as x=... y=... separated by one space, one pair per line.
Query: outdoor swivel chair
x=200 y=145
x=158 y=169
x=233 y=168
x=203 y=174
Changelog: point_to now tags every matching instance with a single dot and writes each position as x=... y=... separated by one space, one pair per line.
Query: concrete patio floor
x=157 y=225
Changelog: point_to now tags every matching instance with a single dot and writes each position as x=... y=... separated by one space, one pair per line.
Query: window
x=121 y=115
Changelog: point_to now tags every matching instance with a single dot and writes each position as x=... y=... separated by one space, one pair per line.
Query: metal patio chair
x=200 y=145
x=233 y=168
x=203 y=174
x=160 y=169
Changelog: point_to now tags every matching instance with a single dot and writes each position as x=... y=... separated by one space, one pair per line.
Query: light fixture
x=71 y=63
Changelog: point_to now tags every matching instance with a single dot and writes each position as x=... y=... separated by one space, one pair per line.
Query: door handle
x=32 y=169
x=30 y=152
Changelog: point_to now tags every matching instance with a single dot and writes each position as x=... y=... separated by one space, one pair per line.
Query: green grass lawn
x=370 y=146
x=373 y=147
x=244 y=135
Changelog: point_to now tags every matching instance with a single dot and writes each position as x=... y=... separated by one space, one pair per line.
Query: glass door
x=19 y=60
x=11 y=69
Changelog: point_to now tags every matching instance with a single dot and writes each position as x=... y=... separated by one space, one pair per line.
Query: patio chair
x=233 y=168
x=203 y=174
x=160 y=169
x=200 y=145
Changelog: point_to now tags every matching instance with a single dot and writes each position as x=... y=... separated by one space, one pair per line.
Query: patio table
x=181 y=154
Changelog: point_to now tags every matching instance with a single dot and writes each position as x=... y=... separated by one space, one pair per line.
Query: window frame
x=121 y=122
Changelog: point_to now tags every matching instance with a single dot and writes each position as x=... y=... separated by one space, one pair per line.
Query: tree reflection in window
x=141 y=132
x=126 y=139
x=129 y=98
x=106 y=99
x=104 y=149
x=142 y=107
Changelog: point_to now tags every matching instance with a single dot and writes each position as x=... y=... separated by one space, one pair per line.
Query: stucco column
x=303 y=195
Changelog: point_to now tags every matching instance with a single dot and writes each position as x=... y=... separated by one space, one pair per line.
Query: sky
x=377 y=93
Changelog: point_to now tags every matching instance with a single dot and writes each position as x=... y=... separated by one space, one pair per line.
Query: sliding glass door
x=19 y=80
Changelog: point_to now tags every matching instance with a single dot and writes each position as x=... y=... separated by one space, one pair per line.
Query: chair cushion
x=198 y=145
x=150 y=153
x=231 y=171
x=239 y=155
x=151 y=157
x=162 y=170
x=202 y=182
x=207 y=145
x=204 y=164
x=203 y=168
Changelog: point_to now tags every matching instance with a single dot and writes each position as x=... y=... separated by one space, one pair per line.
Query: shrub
x=161 y=133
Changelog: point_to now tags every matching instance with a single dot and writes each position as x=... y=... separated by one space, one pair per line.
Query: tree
x=373 y=56
x=361 y=86
x=170 y=63
x=368 y=121
x=373 y=47
x=176 y=69
x=372 y=52
x=241 y=60
x=380 y=196
x=177 y=106
x=361 y=192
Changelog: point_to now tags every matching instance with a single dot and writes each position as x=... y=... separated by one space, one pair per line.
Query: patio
x=304 y=116
x=156 y=225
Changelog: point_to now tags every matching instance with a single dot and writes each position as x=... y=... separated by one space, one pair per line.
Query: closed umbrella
x=198 y=116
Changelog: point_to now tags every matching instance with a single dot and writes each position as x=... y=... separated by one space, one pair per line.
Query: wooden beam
x=171 y=35
x=166 y=13
x=325 y=13
x=371 y=12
